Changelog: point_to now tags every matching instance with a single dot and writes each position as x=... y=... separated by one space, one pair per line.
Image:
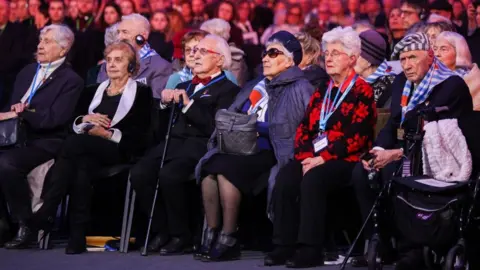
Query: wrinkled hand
x=167 y=96
x=19 y=107
x=385 y=157
x=309 y=163
x=100 y=132
x=97 y=119
x=181 y=93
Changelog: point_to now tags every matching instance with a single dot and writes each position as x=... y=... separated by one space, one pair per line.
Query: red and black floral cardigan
x=350 y=129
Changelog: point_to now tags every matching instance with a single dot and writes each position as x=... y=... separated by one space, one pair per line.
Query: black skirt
x=244 y=172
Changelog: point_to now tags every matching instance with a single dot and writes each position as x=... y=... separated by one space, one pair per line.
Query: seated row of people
x=310 y=138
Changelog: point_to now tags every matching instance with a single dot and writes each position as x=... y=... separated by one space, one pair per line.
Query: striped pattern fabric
x=437 y=73
x=185 y=74
x=412 y=42
x=383 y=70
x=461 y=72
x=259 y=101
x=146 y=51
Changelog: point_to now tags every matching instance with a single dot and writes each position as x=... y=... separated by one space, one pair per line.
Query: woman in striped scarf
x=452 y=49
x=373 y=67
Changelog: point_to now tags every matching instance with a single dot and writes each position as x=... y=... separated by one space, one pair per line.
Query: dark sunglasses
x=272 y=53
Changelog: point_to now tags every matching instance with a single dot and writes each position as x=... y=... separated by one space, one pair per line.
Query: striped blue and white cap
x=411 y=42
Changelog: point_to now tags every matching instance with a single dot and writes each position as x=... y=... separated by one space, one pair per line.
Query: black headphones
x=132 y=65
x=140 y=40
x=423 y=14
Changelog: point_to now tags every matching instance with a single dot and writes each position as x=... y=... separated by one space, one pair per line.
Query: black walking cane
x=162 y=162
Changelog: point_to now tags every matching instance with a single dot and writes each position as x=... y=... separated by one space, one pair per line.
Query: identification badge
x=320 y=143
x=400 y=134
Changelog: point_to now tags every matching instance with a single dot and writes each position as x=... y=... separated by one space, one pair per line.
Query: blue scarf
x=461 y=71
x=146 y=51
x=437 y=73
x=185 y=74
x=383 y=70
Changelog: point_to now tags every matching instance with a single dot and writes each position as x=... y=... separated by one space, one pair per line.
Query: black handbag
x=236 y=132
x=12 y=133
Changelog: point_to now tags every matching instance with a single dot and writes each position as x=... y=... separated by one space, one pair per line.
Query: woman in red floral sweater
x=337 y=128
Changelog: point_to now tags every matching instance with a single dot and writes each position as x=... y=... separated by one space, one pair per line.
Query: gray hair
x=310 y=46
x=349 y=39
x=217 y=27
x=464 y=57
x=221 y=46
x=111 y=35
x=281 y=48
x=416 y=28
x=141 y=20
x=62 y=35
x=362 y=25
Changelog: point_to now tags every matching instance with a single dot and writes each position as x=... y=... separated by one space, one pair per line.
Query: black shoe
x=157 y=242
x=77 y=242
x=306 y=257
x=279 y=255
x=226 y=248
x=359 y=261
x=4 y=229
x=209 y=238
x=22 y=239
x=176 y=246
x=411 y=260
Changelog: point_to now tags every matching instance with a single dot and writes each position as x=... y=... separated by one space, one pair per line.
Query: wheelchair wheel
x=455 y=259
x=373 y=255
x=430 y=259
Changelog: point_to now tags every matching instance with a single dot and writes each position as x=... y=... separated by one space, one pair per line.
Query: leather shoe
x=279 y=255
x=176 y=246
x=306 y=257
x=4 y=229
x=226 y=248
x=209 y=238
x=22 y=238
x=157 y=242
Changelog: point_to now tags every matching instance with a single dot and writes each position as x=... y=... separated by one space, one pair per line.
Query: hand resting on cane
x=173 y=95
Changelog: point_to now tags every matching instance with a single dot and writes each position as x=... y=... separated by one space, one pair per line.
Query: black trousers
x=365 y=194
x=74 y=172
x=172 y=212
x=15 y=165
x=300 y=202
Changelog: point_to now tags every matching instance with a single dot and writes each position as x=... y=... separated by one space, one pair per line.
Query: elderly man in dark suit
x=424 y=81
x=44 y=97
x=209 y=91
x=154 y=70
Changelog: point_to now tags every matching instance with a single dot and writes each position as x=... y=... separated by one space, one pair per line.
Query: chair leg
x=43 y=239
x=125 y=215
x=130 y=220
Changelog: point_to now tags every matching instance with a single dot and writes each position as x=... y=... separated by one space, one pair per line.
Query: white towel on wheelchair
x=446 y=156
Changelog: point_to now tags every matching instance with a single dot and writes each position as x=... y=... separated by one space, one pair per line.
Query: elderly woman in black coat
x=279 y=100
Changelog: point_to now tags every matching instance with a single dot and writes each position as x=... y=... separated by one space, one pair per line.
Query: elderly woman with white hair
x=452 y=49
x=279 y=100
x=200 y=99
x=238 y=67
x=44 y=98
x=337 y=128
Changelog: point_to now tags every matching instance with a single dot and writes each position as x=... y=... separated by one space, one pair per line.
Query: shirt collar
x=54 y=64
x=216 y=74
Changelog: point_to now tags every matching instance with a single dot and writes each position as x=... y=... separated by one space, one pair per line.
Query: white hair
x=139 y=19
x=217 y=27
x=221 y=46
x=438 y=18
x=62 y=35
x=464 y=57
x=349 y=39
x=111 y=34
x=281 y=48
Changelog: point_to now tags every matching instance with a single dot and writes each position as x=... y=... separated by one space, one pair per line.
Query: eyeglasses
x=272 y=53
x=204 y=51
x=333 y=54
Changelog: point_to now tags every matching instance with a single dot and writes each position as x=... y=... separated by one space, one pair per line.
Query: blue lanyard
x=36 y=85
x=326 y=114
x=210 y=83
x=146 y=54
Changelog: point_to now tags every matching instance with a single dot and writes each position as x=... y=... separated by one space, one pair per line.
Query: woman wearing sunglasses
x=280 y=100
x=337 y=127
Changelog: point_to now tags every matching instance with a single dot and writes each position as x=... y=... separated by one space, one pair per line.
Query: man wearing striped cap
x=424 y=81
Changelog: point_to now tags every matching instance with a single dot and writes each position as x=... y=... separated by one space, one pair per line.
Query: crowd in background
x=287 y=61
